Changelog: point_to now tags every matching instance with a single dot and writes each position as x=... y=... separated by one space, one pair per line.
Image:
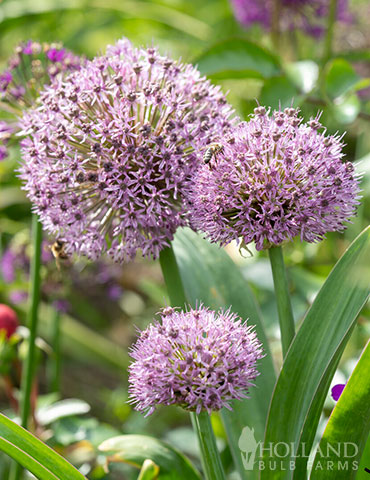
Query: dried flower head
x=198 y=359
x=8 y=321
x=275 y=179
x=111 y=147
x=306 y=15
x=32 y=66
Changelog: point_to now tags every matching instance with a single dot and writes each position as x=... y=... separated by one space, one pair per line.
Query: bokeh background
x=101 y=305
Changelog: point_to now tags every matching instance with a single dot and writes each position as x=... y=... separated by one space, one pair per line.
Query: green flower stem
x=32 y=320
x=328 y=48
x=172 y=277
x=55 y=361
x=211 y=461
x=284 y=306
x=212 y=465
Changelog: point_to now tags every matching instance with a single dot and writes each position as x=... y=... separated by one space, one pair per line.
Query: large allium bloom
x=276 y=178
x=111 y=148
x=32 y=66
x=306 y=15
x=198 y=359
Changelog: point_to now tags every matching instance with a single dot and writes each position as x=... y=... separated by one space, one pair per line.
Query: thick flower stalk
x=110 y=151
x=276 y=178
x=32 y=66
x=306 y=15
x=197 y=359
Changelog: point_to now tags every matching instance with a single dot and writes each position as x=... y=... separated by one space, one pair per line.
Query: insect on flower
x=211 y=151
x=58 y=250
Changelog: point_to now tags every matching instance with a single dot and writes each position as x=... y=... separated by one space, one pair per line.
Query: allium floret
x=275 y=179
x=198 y=359
x=110 y=150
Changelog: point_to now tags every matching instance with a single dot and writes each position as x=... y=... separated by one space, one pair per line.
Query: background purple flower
x=32 y=66
x=304 y=15
x=276 y=178
x=337 y=390
x=110 y=151
x=198 y=359
x=95 y=283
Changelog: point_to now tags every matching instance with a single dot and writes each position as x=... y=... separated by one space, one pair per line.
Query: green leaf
x=135 y=449
x=237 y=58
x=342 y=78
x=349 y=422
x=303 y=75
x=312 y=359
x=63 y=408
x=211 y=277
x=346 y=109
x=149 y=471
x=33 y=454
x=365 y=462
x=173 y=17
x=278 y=91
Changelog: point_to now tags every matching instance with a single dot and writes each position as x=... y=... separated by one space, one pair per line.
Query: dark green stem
x=284 y=306
x=55 y=363
x=328 y=48
x=32 y=320
x=212 y=465
x=210 y=456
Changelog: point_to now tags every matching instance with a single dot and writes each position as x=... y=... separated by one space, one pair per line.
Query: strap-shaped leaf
x=135 y=449
x=33 y=454
x=349 y=422
x=210 y=276
x=312 y=358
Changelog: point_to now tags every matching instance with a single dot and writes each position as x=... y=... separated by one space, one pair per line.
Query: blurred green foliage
x=246 y=64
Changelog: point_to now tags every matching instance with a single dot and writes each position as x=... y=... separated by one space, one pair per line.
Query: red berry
x=8 y=320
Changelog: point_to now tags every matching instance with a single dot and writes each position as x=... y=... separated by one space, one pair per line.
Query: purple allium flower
x=111 y=147
x=337 y=390
x=3 y=152
x=32 y=66
x=8 y=265
x=6 y=131
x=306 y=15
x=18 y=296
x=198 y=359
x=276 y=178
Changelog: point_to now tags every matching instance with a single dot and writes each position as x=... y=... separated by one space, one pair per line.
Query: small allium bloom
x=32 y=66
x=293 y=14
x=337 y=390
x=275 y=179
x=8 y=320
x=111 y=148
x=198 y=359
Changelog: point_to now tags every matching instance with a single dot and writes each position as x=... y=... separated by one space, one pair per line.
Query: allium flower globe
x=197 y=359
x=32 y=66
x=276 y=178
x=111 y=148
